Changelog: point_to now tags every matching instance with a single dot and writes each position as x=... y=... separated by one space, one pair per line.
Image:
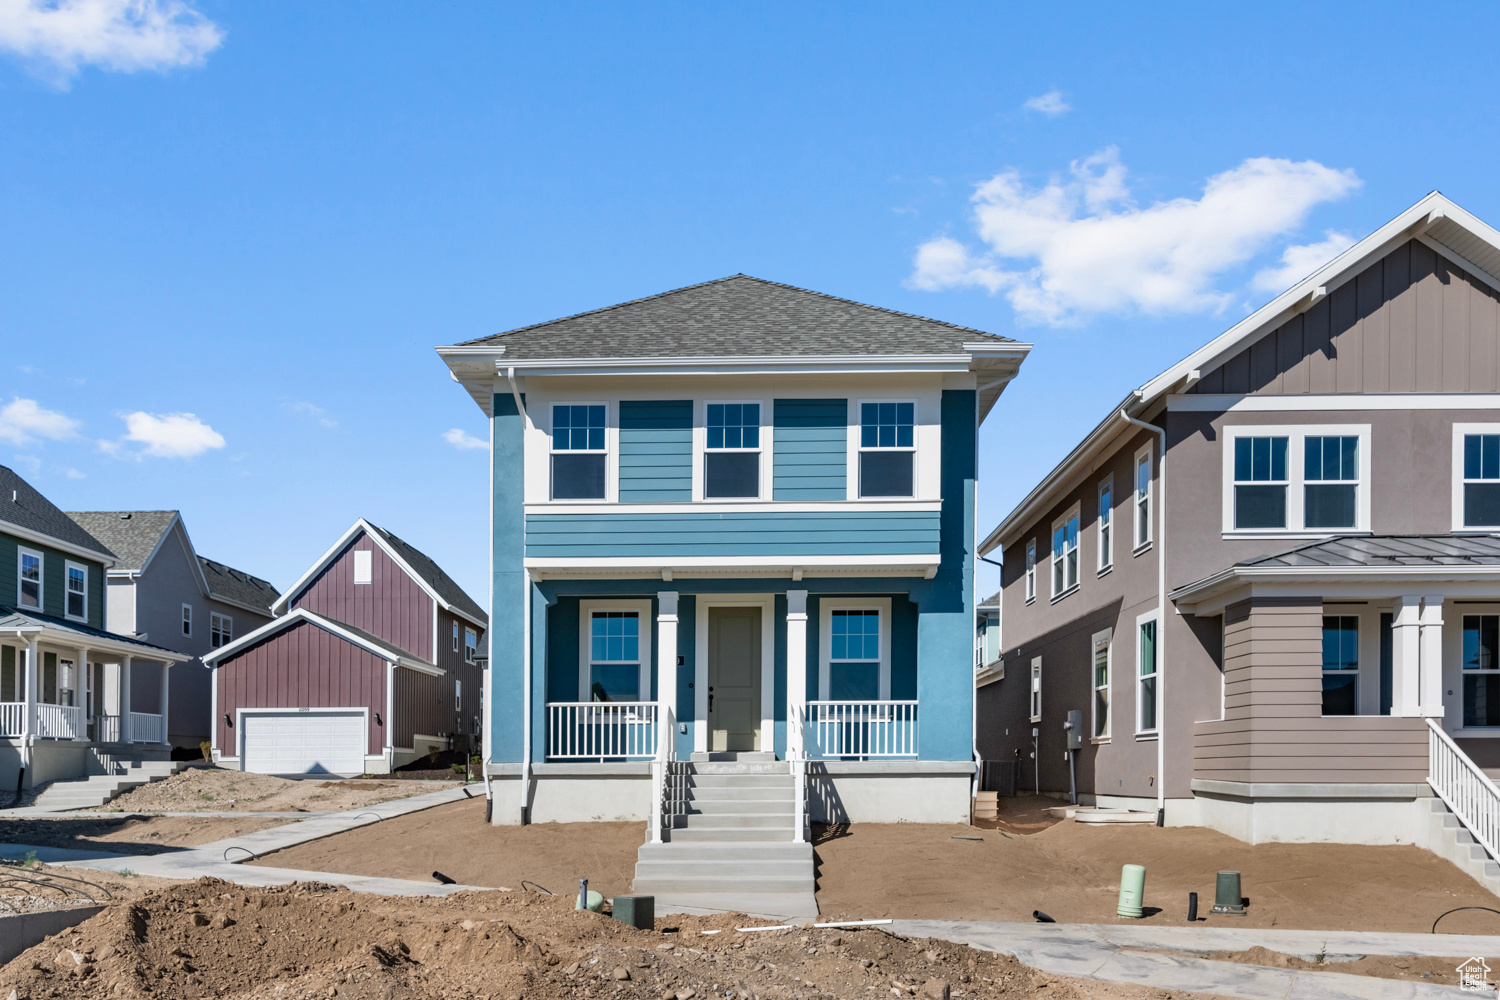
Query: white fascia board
x=40 y=538
x=1237 y=403
x=326 y=624
x=633 y=566
x=420 y=666
x=1208 y=595
x=756 y=507
x=101 y=644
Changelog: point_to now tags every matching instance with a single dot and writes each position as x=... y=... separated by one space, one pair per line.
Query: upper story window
x=579 y=451
x=29 y=582
x=454 y=639
x=471 y=645
x=220 y=629
x=78 y=592
x=1065 y=554
x=362 y=566
x=1143 y=497
x=1476 y=488
x=1285 y=479
x=731 y=458
x=1031 y=571
x=1106 y=523
x=187 y=619
x=887 y=449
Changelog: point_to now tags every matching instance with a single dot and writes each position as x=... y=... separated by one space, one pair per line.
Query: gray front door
x=734 y=678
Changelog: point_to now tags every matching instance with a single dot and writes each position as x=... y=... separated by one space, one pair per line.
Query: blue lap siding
x=810 y=455
x=732 y=534
x=656 y=451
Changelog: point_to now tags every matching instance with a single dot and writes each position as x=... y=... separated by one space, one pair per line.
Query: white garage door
x=302 y=742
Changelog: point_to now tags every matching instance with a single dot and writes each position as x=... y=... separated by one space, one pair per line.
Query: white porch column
x=666 y=673
x=1406 y=647
x=81 y=684
x=1431 y=688
x=796 y=673
x=166 y=671
x=33 y=677
x=126 y=736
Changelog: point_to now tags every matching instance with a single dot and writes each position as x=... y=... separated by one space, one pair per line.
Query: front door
x=734 y=678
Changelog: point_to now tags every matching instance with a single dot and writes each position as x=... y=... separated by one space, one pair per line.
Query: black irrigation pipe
x=525 y=883
x=9 y=904
x=64 y=889
x=237 y=847
x=84 y=881
x=377 y=816
x=1455 y=910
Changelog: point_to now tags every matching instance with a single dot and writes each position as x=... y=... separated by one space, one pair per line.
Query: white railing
x=107 y=728
x=861 y=729
x=1464 y=788
x=60 y=722
x=601 y=730
x=146 y=728
x=12 y=718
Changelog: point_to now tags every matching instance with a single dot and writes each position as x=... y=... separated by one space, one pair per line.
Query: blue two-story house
x=733 y=533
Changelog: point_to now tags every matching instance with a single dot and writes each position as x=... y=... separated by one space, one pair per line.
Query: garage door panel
x=304 y=742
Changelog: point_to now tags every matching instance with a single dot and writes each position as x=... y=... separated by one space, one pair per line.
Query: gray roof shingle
x=737 y=316
x=434 y=576
x=1387 y=551
x=23 y=506
x=14 y=618
x=227 y=582
x=130 y=534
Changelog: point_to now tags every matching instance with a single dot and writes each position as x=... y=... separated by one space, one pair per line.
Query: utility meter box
x=1074 y=727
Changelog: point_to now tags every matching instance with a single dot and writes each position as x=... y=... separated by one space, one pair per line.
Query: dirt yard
x=1069 y=871
x=1418 y=969
x=211 y=789
x=134 y=835
x=213 y=939
x=27 y=887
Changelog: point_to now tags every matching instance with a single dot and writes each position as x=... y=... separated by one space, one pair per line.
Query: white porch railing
x=1464 y=788
x=601 y=730
x=12 y=718
x=861 y=729
x=107 y=728
x=60 y=722
x=146 y=727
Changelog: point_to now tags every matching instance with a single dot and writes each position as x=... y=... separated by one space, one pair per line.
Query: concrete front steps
x=1448 y=839
x=97 y=789
x=733 y=848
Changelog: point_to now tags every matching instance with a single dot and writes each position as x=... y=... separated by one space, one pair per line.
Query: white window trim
x=458 y=695
x=1135 y=659
x=701 y=449
x=471 y=650
x=454 y=627
x=585 y=645
x=1296 y=448
x=1053 y=560
x=1453 y=672
x=1357 y=613
x=223 y=621
x=41 y=578
x=187 y=619
x=856 y=446
x=1105 y=638
x=68 y=567
x=363 y=559
x=1457 y=485
x=611 y=449
x=1106 y=560
x=1030 y=570
x=1147 y=454
x=1034 y=689
x=826 y=607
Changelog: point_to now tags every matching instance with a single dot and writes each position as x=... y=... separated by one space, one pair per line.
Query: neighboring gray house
x=161 y=590
x=1288 y=626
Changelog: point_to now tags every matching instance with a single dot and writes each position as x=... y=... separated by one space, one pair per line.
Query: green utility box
x=637 y=911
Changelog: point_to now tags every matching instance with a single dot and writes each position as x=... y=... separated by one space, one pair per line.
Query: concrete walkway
x=1110 y=952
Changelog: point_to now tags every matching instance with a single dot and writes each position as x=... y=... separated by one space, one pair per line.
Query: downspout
x=515 y=391
x=1161 y=615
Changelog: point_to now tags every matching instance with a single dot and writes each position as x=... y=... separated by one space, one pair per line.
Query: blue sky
x=266 y=215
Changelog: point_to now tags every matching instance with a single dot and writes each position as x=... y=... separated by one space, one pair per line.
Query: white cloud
x=1050 y=104
x=1085 y=247
x=31 y=462
x=313 y=412
x=58 y=37
x=24 y=421
x=73 y=473
x=169 y=435
x=1300 y=260
x=459 y=439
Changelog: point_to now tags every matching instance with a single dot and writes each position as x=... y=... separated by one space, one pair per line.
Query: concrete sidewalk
x=1111 y=953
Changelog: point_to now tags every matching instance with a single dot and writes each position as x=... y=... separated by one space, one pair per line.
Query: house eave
x=51 y=541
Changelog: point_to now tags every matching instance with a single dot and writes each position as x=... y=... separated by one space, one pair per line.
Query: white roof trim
x=52 y=541
x=328 y=625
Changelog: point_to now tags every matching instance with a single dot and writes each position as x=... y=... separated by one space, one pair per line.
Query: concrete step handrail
x=1464 y=788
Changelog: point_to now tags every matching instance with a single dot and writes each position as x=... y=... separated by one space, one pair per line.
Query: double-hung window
x=614 y=656
x=1296 y=479
x=887 y=449
x=1147 y=666
x=854 y=655
x=78 y=592
x=1481 y=670
x=1031 y=570
x=1036 y=689
x=1106 y=523
x=1143 y=497
x=1065 y=555
x=579 y=451
x=220 y=629
x=1330 y=477
x=187 y=619
x=731 y=452
x=1260 y=482
x=454 y=639
x=29 y=585
x=1477 y=494
x=1100 y=727
x=471 y=645
x=1340 y=664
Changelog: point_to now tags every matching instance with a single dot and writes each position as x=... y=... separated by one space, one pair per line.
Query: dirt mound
x=211 y=789
x=214 y=939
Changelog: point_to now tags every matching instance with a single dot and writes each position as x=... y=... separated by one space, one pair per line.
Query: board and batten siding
x=302 y=666
x=1274 y=730
x=810 y=449
x=423 y=705
x=656 y=451
x=391 y=606
x=665 y=536
x=1413 y=321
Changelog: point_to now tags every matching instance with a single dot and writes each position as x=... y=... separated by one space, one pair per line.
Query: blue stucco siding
x=810 y=449
x=511 y=591
x=732 y=534
x=656 y=451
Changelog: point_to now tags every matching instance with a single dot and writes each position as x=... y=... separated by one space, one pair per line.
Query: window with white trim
x=29 y=579
x=78 y=591
x=1101 y=644
x=1340 y=664
x=362 y=566
x=455 y=637
x=1065 y=554
x=854 y=649
x=220 y=629
x=1143 y=499
x=1031 y=571
x=1481 y=671
x=887 y=448
x=187 y=619
x=1148 y=664
x=615 y=654
x=1330 y=477
x=67 y=683
x=1106 y=523
x=458 y=695
x=471 y=645
x=731 y=451
x=1290 y=479
x=580 y=449
x=1260 y=482
x=1477 y=477
x=1036 y=689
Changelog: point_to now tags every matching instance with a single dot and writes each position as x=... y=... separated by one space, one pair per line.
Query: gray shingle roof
x=434 y=576
x=738 y=316
x=224 y=581
x=375 y=640
x=1388 y=551
x=130 y=534
x=23 y=506
x=13 y=618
